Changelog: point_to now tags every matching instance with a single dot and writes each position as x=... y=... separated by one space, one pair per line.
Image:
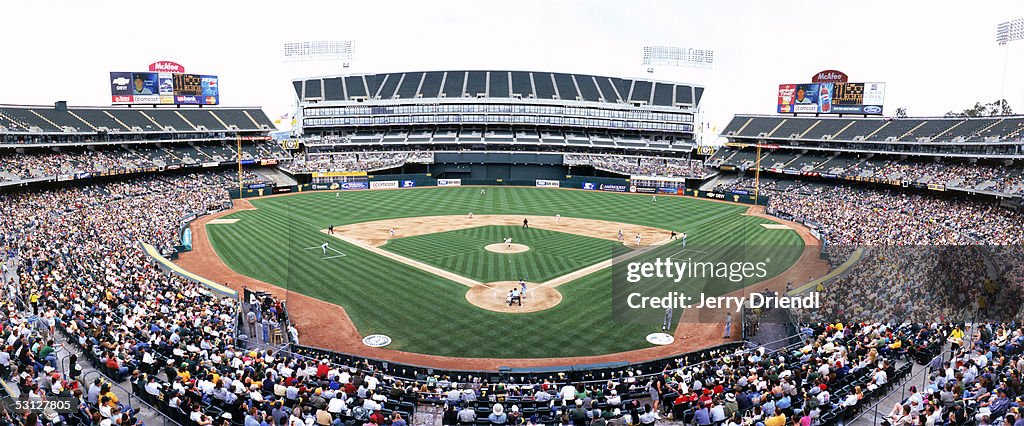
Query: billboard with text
x=153 y=88
x=831 y=98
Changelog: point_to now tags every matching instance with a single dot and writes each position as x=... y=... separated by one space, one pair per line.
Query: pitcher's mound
x=494 y=298
x=504 y=248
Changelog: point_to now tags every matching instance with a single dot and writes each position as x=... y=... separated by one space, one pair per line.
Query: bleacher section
x=944 y=129
x=498 y=84
x=92 y=120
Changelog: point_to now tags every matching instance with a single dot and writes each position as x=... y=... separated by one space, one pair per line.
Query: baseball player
x=558 y=217
x=337 y=195
x=667 y=324
x=391 y=233
x=508 y=243
x=684 y=239
x=324 y=248
x=637 y=239
x=330 y=229
x=654 y=198
x=522 y=283
x=672 y=236
x=470 y=215
x=483 y=191
x=620 y=235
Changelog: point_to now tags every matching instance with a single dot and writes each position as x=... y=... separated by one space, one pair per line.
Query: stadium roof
x=498 y=84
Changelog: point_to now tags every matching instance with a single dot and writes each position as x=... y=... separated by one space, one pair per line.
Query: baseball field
x=414 y=284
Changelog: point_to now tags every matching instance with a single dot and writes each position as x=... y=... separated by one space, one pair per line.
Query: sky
x=934 y=56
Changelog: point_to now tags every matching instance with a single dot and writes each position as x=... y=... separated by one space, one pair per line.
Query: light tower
x=1007 y=32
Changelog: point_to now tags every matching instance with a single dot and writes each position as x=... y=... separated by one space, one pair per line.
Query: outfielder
x=654 y=198
x=483 y=191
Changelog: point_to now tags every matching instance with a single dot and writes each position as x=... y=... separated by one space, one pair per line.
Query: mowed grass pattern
x=552 y=254
x=427 y=314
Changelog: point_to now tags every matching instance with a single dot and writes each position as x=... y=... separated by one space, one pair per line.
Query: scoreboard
x=160 y=88
x=831 y=98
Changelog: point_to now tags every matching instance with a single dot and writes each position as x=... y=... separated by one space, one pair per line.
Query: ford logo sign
x=872 y=109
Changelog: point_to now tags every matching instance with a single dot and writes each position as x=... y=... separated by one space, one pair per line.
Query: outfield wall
x=587 y=183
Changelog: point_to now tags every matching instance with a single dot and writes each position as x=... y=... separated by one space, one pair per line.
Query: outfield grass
x=427 y=314
x=551 y=253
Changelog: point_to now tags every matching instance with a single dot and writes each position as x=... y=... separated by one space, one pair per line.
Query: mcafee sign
x=830 y=76
x=166 y=66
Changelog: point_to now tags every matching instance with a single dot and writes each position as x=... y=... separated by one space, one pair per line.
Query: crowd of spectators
x=20 y=166
x=356 y=161
x=639 y=165
x=80 y=269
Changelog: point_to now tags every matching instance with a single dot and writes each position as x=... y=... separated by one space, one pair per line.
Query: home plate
x=222 y=221
x=775 y=226
x=660 y=339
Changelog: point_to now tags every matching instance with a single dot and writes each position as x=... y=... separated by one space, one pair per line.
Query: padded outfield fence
x=407 y=181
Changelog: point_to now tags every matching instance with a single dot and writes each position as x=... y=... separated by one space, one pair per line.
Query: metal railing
x=134 y=400
x=905 y=382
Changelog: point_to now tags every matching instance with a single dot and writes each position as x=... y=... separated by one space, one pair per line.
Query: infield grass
x=551 y=253
x=427 y=314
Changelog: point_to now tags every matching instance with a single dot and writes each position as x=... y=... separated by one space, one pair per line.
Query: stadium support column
x=757 y=175
x=238 y=139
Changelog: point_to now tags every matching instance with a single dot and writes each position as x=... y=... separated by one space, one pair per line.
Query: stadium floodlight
x=675 y=56
x=1007 y=32
x=319 y=50
x=1010 y=31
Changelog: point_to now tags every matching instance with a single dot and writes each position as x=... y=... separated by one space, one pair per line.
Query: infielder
x=391 y=233
x=324 y=248
x=638 y=239
x=508 y=243
x=558 y=218
x=620 y=235
x=470 y=215
x=667 y=324
x=672 y=236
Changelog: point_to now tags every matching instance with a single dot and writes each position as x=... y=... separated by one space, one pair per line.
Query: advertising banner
x=449 y=182
x=211 y=164
x=831 y=98
x=347 y=186
x=613 y=188
x=642 y=189
x=408 y=183
x=589 y=186
x=670 y=191
x=155 y=88
x=543 y=183
x=384 y=184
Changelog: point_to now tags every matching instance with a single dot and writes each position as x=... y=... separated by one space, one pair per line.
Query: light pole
x=1007 y=32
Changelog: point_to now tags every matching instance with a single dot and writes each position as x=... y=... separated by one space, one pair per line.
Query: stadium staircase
x=279 y=177
x=193 y=126
x=47 y=120
x=63 y=349
x=123 y=125
x=82 y=120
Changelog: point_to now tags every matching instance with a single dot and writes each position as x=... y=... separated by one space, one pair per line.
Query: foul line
x=340 y=254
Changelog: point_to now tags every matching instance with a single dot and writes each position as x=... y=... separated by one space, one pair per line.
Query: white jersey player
x=324 y=248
